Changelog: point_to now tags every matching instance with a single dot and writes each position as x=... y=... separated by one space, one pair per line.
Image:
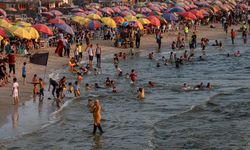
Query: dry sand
x=148 y=43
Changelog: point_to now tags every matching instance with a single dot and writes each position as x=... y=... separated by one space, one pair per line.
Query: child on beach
x=24 y=73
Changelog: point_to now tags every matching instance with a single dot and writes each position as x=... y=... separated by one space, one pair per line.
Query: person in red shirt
x=233 y=35
x=133 y=76
x=12 y=62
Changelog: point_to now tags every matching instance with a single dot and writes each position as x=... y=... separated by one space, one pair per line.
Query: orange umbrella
x=216 y=8
x=119 y=20
x=197 y=13
x=188 y=15
x=154 y=21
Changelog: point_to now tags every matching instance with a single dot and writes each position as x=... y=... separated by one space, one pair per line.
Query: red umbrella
x=154 y=21
x=56 y=21
x=43 y=28
x=197 y=13
x=2 y=12
x=56 y=12
x=2 y=33
x=119 y=20
x=188 y=15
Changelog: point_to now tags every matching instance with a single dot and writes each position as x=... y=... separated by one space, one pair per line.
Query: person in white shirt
x=15 y=92
x=98 y=53
x=91 y=55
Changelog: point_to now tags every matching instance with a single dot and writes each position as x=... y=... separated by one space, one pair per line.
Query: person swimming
x=151 y=55
x=108 y=82
x=114 y=90
x=151 y=84
x=209 y=86
x=237 y=54
x=97 y=86
x=199 y=86
x=133 y=76
x=87 y=87
x=185 y=87
x=158 y=65
x=119 y=71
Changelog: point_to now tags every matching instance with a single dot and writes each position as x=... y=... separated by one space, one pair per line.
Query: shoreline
x=148 y=44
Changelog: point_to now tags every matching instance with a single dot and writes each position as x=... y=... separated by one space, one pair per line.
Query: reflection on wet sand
x=15 y=117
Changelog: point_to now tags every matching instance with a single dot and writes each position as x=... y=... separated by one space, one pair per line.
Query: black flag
x=40 y=59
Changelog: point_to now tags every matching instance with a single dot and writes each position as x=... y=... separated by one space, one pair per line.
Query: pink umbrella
x=56 y=21
x=132 y=12
x=2 y=33
x=125 y=13
x=146 y=10
x=80 y=14
x=56 y=12
x=123 y=7
x=2 y=12
x=107 y=10
x=77 y=10
x=116 y=9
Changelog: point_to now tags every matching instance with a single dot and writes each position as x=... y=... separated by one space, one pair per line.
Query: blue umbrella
x=65 y=28
x=170 y=17
x=176 y=9
x=125 y=24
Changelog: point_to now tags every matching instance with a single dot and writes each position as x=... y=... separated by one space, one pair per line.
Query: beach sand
x=148 y=43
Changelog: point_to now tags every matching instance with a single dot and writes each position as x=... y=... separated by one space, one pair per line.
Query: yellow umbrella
x=139 y=25
x=33 y=32
x=23 y=24
x=5 y=24
x=20 y=32
x=80 y=20
x=109 y=22
x=94 y=17
x=144 y=21
x=130 y=18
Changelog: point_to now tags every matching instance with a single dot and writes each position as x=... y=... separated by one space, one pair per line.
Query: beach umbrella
x=146 y=10
x=125 y=24
x=80 y=14
x=2 y=12
x=23 y=24
x=144 y=21
x=170 y=17
x=47 y=14
x=116 y=9
x=43 y=29
x=80 y=20
x=154 y=21
x=123 y=7
x=176 y=9
x=107 y=10
x=93 y=16
x=162 y=19
x=119 y=20
x=65 y=28
x=215 y=9
x=136 y=24
x=56 y=21
x=2 y=33
x=130 y=18
x=188 y=15
x=132 y=12
x=11 y=9
x=125 y=13
x=1 y=38
x=93 y=25
x=109 y=22
x=77 y=10
x=140 y=16
x=33 y=32
x=197 y=13
x=155 y=8
x=56 y=12
x=204 y=12
x=20 y=32
x=4 y=24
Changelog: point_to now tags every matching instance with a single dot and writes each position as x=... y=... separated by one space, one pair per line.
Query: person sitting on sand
x=141 y=94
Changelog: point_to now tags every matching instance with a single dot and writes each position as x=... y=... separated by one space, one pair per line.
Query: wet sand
x=147 y=44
